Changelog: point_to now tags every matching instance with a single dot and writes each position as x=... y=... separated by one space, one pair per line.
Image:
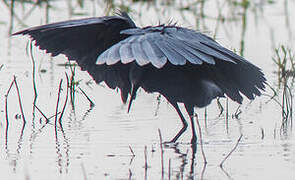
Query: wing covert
x=159 y=44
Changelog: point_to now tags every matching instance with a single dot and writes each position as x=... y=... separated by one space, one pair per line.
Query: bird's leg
x=190 y=111
x=132 y=96
x=135 y=78
x=184 y=123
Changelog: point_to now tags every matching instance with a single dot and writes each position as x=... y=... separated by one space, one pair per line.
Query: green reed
x=284 y=60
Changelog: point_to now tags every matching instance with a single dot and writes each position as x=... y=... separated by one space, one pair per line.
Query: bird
x=183 y=65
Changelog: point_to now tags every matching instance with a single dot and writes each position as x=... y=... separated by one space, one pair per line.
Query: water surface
x=104 y=141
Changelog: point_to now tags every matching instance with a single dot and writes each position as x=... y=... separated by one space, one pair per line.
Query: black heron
x=183 y=65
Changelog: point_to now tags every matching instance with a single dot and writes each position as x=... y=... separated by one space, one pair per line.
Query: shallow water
x=104 y=141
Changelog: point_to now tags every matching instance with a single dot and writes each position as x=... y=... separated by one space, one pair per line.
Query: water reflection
x=62 y=151
x=77 y=140
x=187 y=161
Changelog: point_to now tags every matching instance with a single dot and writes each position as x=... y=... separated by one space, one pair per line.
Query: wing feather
x=172 y=56
x=180 y=47
x=113 y=55
x=223 y=50
x=102 y=58
x=138 y=53
x=199 y=42
x=200 y=54
x=174 y=44
x=210 y=51
x=156 y=58
x=82 y=40
x=126 y=53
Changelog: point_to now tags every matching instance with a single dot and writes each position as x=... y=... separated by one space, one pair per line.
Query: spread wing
x=161 y=44
x=184 y=47
x=80 y=40
x=112 y=41
x=84 y=40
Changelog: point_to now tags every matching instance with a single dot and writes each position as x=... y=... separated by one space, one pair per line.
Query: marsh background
x=104 y=141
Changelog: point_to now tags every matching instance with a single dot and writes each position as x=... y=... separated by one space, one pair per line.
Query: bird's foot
x=170 y=142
